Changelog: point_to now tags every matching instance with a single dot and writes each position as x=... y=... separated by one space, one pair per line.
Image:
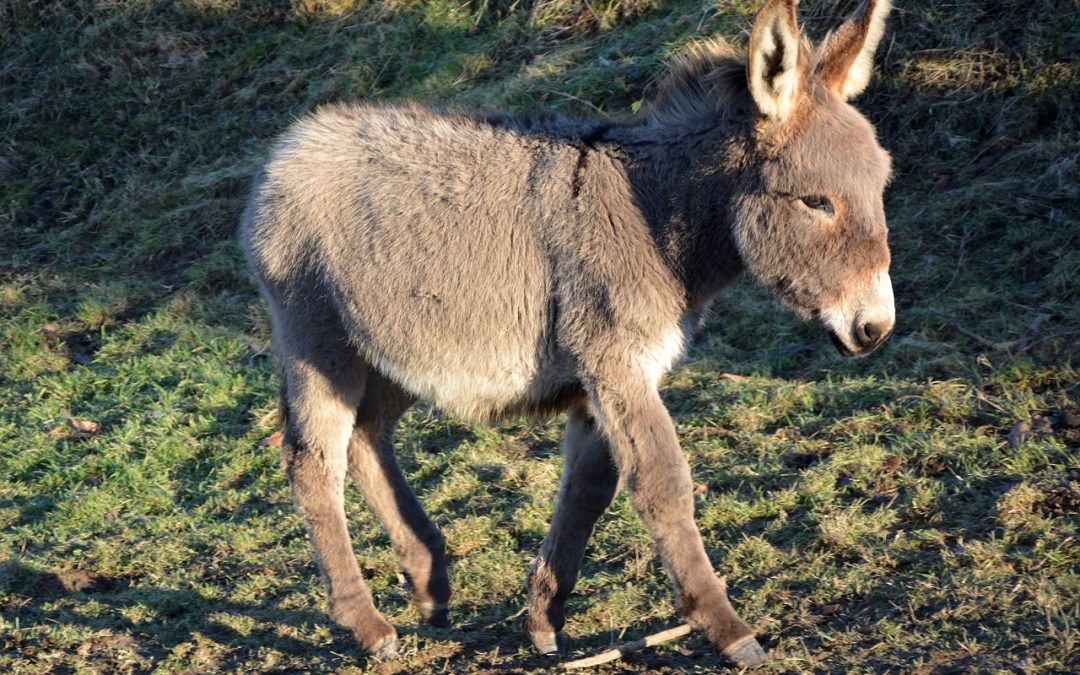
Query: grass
x=914 y=512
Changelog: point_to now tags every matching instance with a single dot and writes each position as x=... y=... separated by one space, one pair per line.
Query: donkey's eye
x=818 y=203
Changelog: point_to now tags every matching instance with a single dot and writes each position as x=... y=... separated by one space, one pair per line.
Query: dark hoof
x=546 y=642
x=435 y=613
x=745 y=653
x=386 y=650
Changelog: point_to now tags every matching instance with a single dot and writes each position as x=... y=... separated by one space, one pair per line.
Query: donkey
x=499 y=265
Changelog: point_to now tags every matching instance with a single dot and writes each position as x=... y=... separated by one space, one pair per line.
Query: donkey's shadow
x=35 y=598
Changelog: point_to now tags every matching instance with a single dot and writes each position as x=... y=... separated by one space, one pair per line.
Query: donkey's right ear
x=846 y=58
x=772 y=69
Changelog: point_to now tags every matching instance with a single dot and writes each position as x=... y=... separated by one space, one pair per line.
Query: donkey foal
x=499 y=265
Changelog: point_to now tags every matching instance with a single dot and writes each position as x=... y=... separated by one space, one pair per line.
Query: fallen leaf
x=1019 y=434
x=1041 y=424
x=88 y=427
x=1037 y=425
x=733 y=377
x=274 y=440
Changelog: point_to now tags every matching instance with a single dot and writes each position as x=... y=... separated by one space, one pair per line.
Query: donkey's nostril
x=869 y=334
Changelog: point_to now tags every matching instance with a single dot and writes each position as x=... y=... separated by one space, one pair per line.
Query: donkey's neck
x=680 y=186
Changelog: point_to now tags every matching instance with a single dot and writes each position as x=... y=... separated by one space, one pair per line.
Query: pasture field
x=912 y=512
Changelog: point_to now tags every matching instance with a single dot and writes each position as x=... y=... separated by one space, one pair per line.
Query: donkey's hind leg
x=372 y=464
x=324 y=385
x=589 y=481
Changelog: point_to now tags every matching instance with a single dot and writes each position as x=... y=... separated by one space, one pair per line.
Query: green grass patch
x=917 y=511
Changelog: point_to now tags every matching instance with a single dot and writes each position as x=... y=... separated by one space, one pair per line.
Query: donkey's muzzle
x=868 y=337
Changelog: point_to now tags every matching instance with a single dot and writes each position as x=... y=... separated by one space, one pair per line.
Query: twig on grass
x=989 y=344
x=512 y=616
x=497 y=622
x=1024 y=343
x=629 y=648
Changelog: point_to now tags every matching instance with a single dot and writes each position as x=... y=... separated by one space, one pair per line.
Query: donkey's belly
x=477 y=350
x=481 y=384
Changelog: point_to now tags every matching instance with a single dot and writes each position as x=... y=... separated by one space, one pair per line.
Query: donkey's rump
x=425 y=234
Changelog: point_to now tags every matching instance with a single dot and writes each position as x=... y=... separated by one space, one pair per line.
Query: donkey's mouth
x=839 y=344
x=846 y=351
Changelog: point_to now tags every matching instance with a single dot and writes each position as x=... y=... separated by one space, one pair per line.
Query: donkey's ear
x=846 y=57
x=772 y=69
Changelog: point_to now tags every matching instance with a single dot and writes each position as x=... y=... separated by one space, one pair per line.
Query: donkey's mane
x=709 y=77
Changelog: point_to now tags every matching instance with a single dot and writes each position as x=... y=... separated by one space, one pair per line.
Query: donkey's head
x=811 y=225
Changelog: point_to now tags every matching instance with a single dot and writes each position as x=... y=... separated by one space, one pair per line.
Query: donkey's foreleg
x=589 y=480
x=657 y=475
x=321 y=412
x=372 y=464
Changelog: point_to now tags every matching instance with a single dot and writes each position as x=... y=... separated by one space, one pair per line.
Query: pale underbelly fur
x=515 y=380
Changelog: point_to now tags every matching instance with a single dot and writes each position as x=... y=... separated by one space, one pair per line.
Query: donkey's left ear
x=846 y=57
x=772 y=67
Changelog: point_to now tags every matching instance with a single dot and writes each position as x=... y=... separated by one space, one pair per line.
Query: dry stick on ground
x=629 y=648
x=1025 y=341
x=989 y=344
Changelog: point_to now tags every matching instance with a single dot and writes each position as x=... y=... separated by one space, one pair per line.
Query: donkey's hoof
x=546 y=642
x=745 y=653
x=386 y=650
x=435 y=613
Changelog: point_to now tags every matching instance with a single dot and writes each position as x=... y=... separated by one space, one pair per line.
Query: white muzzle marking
x=872 y=303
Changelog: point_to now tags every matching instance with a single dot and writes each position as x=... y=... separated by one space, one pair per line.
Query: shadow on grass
x=179 y=615
x=31 y=509
x=37 y=599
